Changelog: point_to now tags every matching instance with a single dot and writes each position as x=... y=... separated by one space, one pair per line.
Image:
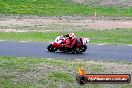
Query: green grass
x=115 y=36
x=52 y=73
x=6 y=82
x=60 y=76
x=58 y=8
x=24 y=64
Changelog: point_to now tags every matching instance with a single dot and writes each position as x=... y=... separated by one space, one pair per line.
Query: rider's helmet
x=71 y=35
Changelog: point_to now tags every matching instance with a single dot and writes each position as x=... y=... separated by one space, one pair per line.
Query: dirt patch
x=118 y=3
x=43 y=24
x=80 y=1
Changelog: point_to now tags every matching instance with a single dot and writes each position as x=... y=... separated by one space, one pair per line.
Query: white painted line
x=2 y=40
x=101 y=44
x=23 y=41
x=78 y=59
x=130 y=45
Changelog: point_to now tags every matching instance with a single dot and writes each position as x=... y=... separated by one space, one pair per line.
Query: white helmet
x=72 y=35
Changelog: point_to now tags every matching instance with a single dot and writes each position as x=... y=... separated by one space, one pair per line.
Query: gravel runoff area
x=117 y=3
x=34 y=23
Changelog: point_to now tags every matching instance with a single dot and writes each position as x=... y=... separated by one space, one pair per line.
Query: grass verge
x=115 y=36
x=50 y=73
x=58 y=8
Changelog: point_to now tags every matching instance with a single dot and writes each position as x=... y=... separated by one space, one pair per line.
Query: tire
x=84 y=48
x=77 y=50
x=51 y=48
x=73 y=52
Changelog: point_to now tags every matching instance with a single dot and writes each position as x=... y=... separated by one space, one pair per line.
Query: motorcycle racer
x=70 y=41
x=69 y=44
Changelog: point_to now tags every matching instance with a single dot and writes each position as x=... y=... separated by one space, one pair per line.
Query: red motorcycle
x=58 y=45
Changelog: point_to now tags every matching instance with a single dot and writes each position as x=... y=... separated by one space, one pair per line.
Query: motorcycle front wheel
x=51 y=48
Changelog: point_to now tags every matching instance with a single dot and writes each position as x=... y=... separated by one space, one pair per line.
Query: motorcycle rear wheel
x=84 y=48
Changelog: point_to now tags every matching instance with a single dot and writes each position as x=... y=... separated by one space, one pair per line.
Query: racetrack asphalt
x=39 y=50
